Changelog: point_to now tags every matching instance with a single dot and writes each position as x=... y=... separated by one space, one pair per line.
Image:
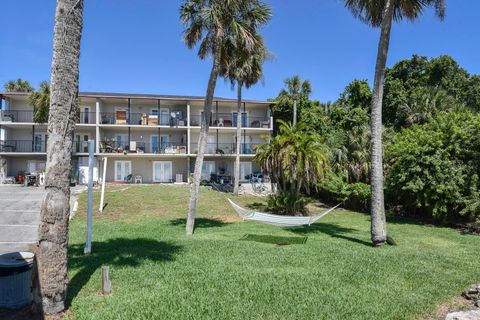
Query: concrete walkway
x=20 y=216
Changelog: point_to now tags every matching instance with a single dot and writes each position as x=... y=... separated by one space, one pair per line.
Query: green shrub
x=432 y=170
x=334 y=189
x=287 y=203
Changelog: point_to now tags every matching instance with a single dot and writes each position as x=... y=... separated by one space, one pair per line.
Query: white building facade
x=150 y=137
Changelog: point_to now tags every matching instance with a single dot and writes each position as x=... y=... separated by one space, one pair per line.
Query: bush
x=287 y=203
x=432 y=170
x=334 y=189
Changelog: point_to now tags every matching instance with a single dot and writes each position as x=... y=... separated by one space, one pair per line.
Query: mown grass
x=159 y=273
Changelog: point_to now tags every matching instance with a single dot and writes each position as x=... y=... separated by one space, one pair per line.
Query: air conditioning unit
x=179 y=178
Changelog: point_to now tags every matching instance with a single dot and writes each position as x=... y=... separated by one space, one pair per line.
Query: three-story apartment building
x=154 y=137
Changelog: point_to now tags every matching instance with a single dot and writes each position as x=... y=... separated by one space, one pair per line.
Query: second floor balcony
x=37 y=146
x=140 y=147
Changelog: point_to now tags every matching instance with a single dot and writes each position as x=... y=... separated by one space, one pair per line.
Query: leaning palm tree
x=382 y=13
x=40 y=100
x=217 y=25
x=18 y=85
x=51 y=253
x=294 y=88
x=244 y=69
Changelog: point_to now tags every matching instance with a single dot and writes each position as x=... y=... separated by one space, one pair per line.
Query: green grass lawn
x=159 y=273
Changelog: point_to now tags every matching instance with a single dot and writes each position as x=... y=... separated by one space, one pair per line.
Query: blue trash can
x=16 y=279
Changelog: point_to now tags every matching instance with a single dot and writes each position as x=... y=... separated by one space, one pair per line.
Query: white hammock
x=277 y=220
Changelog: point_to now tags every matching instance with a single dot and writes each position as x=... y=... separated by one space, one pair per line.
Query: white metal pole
x=88 y=244
x=102 y=194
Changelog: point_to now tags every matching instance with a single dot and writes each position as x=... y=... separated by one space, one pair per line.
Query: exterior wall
x=142 y=164
x=144 y=167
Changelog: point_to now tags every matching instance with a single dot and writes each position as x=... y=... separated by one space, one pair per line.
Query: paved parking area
x=19 y=217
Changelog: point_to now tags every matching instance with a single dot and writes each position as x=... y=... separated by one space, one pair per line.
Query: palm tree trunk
x=239 y=137
x=51 y=255
x=202 y=142
x=378 y=224
x=294 y=111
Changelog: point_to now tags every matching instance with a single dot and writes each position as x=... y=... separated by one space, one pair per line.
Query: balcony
x=230 y=120
x=142 y=147
x=37 y=146
x=26 y=116
x=225 y=148
x=174 y=119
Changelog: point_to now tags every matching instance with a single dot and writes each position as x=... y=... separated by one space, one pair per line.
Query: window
x=35 y=166
x=245 y=170
x=86 y=115
x=208 y=167
x=244 y=119
x=122 y=170
x=162 y=171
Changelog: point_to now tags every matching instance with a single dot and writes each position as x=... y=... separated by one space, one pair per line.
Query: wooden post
x=106 y=284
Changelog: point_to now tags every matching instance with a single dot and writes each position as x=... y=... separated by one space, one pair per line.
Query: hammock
x=277 y=220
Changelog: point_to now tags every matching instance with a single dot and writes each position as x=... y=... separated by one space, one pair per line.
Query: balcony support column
x=33 y=138
x=244 y=131
x=216 y=113
x=97 y=128
x=128 y=138
x=129 y=114
x=159 y=143
x=188 y=129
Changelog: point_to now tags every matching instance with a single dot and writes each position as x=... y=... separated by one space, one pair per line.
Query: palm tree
x=51 y=253
x=295 y=158
x=40 y=100
x=382 y=13
x=217 y=25
x=294 y=89
x=18 y=85
x=244 y=69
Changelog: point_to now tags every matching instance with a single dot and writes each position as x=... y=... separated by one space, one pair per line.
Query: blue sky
x=136 y=47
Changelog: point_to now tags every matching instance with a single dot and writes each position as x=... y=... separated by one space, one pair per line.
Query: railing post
x=88 y=244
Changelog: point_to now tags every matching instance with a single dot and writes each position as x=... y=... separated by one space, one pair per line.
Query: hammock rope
x=278 y=220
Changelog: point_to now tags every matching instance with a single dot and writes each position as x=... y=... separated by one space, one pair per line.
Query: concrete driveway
x=19 y=217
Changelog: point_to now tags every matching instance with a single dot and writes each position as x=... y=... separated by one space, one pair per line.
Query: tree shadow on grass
x=330 y=229
x=115 y=252
x=199 y=223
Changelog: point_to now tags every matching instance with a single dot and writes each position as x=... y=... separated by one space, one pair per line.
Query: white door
x=164 y=117
x=208 y=167
x=246 y=146
x=85 y=115
x=122 y=170
x=81 y=144
x=245 y=170
x=211 y=145
x=162 y=171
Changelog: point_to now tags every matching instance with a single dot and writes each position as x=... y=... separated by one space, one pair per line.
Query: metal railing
x=26 y=116
x=225 y=148
x=230 y=120
x=23 y=146
x=124 y=146
x=135 y=118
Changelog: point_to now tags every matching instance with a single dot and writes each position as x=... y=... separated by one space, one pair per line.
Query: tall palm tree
x=217 y=25
x=244 y=69
x=51 y=253
x=294 y=88
x=40 y=100
x=18 y=85
x=382 y=13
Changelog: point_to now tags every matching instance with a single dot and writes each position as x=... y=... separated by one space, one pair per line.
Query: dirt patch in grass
x=226 y=218
x=455 y=304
